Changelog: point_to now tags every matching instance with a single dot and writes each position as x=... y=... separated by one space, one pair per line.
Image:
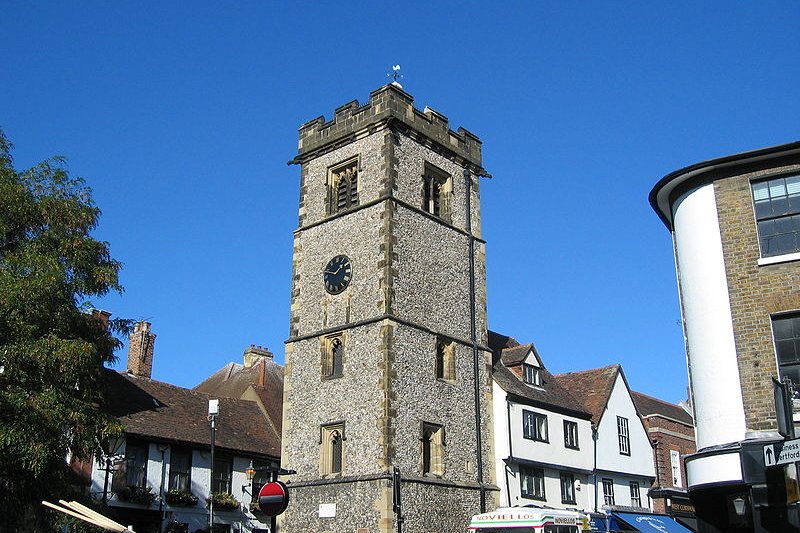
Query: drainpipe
x=510 y=449
x=473 y=337
x=594 y=441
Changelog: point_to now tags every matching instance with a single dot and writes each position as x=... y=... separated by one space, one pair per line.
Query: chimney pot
x=141 y=345
x=254 y=353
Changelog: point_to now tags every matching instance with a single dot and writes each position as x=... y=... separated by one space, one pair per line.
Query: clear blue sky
x=182 y=116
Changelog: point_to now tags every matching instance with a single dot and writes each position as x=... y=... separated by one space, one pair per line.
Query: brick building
x=671 y=431
x=735 y=223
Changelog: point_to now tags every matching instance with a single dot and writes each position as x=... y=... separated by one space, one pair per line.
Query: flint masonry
x=387 y=365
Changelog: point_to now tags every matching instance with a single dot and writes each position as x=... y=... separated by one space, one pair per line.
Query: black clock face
x=338 y=274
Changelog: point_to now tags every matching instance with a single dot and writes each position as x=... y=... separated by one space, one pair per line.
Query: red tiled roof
x=160 y=411
x=592 y=387
x=264 y=378
x=647 y=406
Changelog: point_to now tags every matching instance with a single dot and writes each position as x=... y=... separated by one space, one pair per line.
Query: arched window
x=332 y=449
x=343 y=187
x=432 y=449
x=332 y=357
x=445 y=360
x=436 y=192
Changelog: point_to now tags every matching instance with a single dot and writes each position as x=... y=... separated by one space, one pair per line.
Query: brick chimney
x=253 y=354
x=140 y=350
x=102 y=316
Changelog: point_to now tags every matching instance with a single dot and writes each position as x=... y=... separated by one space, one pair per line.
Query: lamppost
x=109 y=456
x=213 y=411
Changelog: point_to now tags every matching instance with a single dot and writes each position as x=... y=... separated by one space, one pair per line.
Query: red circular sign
x=273 y=498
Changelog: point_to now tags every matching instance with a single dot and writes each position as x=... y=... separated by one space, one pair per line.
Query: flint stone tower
x=386 y=364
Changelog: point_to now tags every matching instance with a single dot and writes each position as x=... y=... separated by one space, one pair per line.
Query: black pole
x=213 y=419
x=397 y=502
x=105 y=483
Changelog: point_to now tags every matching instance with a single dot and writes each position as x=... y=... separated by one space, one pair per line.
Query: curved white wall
x=714 y=373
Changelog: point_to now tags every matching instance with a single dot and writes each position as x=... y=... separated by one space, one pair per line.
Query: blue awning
x=651 y=523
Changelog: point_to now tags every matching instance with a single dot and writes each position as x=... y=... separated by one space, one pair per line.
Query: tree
x=52 y=347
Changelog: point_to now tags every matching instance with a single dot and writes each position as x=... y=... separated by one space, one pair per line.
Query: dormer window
x=532 y=375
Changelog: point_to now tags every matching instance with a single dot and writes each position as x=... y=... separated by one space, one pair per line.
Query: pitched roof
x=648 y=406
x=507 y=352
x=158 y=410
x=266 y=379
x=593 y=387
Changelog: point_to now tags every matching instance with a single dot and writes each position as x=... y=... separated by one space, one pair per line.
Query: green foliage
x=52 y=349
x=180 y=497
x=134 y=494
x=223 y=501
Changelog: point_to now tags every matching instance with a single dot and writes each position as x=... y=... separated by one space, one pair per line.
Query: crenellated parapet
x=386 y=104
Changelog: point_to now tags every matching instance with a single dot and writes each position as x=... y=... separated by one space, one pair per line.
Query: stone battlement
x=390 y=101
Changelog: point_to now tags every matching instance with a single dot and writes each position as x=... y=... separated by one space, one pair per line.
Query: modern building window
x=624 y=436
x=608 y=492
x=445 y=360
x=180 y=470
x=532 y=375
x=777 y=206
x=571 y=434
x=786 y=331
x=343 y=187
x=567 y=487
x=332 y=356
x=675 y=462
x=432 y=449
x=534 y=426
x=532 y=483
x=222 y=475
x=332 y=451
x=136 y=463
x=636 y=499
x=436 y=192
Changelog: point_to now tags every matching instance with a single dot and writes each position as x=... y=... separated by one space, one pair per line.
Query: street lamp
x=250 y=473
x=109 y=455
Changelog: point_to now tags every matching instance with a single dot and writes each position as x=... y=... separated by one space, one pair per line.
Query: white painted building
x=543 y=437
x=623 y=469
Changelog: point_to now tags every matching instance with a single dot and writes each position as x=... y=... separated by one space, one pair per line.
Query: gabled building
x=623 y=454
x=158 y=476
x=543 y=437
x=671 y=431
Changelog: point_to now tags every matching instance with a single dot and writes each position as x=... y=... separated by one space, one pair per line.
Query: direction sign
x=782 y=453
x=273 y=498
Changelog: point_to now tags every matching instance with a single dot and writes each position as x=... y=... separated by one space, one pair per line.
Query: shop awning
x=651 y=523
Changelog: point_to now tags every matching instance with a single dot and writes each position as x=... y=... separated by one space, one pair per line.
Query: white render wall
x=640 y=461
x=713 y=370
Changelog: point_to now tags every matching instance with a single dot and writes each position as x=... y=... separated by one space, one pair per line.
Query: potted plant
x=223 y=501
x=135 y=494
x=182 y=498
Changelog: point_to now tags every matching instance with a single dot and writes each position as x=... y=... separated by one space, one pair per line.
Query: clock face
x=337 y=275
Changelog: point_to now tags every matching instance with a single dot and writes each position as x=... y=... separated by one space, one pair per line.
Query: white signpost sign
x=787 y=453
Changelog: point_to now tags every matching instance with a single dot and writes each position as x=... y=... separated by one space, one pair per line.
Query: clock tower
x=387 y=396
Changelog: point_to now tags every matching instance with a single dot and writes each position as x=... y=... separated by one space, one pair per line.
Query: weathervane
x=395 y=74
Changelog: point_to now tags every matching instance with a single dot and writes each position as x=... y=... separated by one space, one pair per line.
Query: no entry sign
x=273 y=498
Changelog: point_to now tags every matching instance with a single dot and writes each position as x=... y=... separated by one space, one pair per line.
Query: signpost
x=273 y=498
x=782 y=453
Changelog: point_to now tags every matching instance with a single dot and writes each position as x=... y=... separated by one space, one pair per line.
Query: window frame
x=432 y=439
x=636 y=493
x=571 y=435
x=608 y=491
x=331 y=439
x=785 y=366
x=536 y=474
x=567 y=480
x=437 y=185
x=532 y=375
x=333 y=353
x=675 y=464
x=184 y=475
x=133 y=464
x=623 y=435
x=222 y=478
x=351 y=186
x=535 y=426
x=762 y=219
x=445 y=360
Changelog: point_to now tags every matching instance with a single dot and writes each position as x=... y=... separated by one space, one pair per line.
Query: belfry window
x=343 y=187
x=436 y=192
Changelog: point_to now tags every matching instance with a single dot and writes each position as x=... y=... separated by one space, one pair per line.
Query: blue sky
x=182 y=116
